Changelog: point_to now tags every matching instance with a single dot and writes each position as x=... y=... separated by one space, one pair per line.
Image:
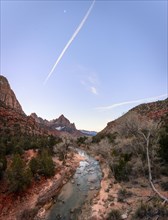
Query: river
x=81 y=188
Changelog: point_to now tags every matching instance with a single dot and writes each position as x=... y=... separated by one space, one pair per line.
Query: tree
x=19 y=176
x=46 y=164
x=145 y=131
x=3 y=161
x=34 y=165
x=163 y=144
x=3 y=165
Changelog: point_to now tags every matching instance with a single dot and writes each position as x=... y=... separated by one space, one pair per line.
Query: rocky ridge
x=154 y=110
x=59 y=125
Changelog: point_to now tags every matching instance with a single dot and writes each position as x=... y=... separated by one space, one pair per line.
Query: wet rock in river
x=92 y=188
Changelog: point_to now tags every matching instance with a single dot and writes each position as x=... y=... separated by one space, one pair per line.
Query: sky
x=89 y=60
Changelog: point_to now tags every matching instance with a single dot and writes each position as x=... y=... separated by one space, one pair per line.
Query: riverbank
x=37 y=199
x=123 y=197
x=99 y=207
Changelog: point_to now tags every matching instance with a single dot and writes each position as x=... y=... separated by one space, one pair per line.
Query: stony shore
x=33 y=203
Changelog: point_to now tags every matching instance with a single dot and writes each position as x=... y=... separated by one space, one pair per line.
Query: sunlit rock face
x=13 y=120
x=7 y=96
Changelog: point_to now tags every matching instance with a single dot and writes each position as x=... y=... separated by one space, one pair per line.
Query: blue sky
x=117 y=60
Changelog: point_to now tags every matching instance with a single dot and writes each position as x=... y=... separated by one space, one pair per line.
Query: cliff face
x=8 y=97
x=13 y=120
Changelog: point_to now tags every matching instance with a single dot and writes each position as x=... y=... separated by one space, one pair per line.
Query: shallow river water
x=81 y=188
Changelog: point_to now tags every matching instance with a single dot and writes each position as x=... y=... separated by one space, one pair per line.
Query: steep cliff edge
x=7 y=96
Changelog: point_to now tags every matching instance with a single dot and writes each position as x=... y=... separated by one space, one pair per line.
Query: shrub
x=112 y=137
x=164 y=186
x=123 y=194
x=114 y=215
x=81 y=140
x=27 y=214
x=151 y=211
x=122 y=169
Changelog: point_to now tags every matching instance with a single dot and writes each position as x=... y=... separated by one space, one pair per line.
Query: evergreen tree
x=46 y=164
x=163 y=142
x=19 y=176
x=34 y=165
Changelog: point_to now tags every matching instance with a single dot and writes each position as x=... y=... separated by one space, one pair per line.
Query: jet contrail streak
x=71 y=40
x=130 y=102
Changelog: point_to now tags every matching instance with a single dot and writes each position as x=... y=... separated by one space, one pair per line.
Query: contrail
x=71 y=40
x=130 y=102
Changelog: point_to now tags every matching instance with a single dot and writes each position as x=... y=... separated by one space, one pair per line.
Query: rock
x=8 y=97
x=106 y=206
x=110 y=198
x=110 y=185
x=107 y=190
x=144 y=185
x=124 y=216
x=92 y=188
x=112 y=204
x=115 y=200
x=72 y=211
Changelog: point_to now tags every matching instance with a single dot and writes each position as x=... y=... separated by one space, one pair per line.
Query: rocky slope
x=154 y=110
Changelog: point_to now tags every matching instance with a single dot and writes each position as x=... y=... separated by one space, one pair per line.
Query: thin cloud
x=104 y=108
x=89 y=80
x=70 y=40
x=93 y=90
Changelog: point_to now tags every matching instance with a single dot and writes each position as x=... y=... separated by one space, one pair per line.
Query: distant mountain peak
x=18 y=121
